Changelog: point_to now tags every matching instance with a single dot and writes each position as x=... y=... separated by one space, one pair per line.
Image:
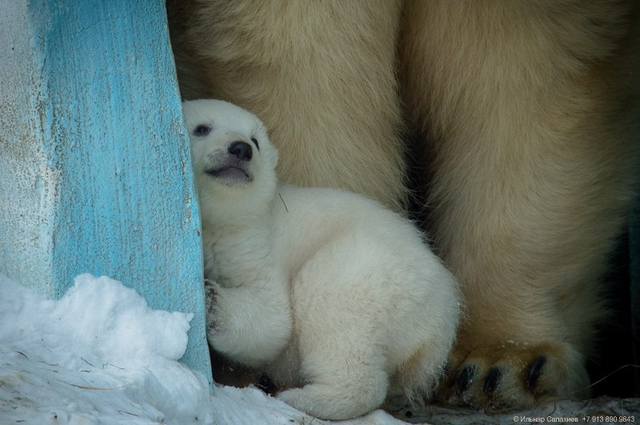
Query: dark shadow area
x=612 y=369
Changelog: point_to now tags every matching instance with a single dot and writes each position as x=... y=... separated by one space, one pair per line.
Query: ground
x=102 y=355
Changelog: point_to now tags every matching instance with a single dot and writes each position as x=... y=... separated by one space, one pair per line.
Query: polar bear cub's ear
x=269 y=150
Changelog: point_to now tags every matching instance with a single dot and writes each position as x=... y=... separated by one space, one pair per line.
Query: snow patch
x=101 y=355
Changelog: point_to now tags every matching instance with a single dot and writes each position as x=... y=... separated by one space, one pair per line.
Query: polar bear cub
x=334 y=296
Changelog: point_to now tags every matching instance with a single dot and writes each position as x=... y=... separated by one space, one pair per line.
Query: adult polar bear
x=525 y=111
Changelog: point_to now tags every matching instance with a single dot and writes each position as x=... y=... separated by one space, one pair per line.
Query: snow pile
x=101 y=355
x=99 y=352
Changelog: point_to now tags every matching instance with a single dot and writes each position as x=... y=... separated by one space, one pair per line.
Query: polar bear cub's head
x=233 y=160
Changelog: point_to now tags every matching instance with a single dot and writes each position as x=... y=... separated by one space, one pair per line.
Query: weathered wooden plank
x=95 y=160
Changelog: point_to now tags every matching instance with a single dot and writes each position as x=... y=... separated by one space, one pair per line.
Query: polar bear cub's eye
x=255 y=142
x=202 y=130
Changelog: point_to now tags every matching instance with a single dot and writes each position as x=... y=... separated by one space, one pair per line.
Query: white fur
x=326 y=290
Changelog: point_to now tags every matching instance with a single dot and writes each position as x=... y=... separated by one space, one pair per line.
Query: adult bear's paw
x=514 y=375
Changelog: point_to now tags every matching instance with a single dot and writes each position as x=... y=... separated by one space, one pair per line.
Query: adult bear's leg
x=320 y=74
x=528 y=111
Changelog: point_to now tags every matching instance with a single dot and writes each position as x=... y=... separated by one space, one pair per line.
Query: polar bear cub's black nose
x=241 y=150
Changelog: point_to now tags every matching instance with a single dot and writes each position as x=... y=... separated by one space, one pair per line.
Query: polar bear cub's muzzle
x=231 y=163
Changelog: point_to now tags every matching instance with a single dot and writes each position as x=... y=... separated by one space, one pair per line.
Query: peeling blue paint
x=112 y=131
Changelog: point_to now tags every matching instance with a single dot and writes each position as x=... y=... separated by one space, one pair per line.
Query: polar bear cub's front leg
x=248 y=323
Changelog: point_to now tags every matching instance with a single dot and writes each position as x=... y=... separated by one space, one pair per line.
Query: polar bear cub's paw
x=334 y=402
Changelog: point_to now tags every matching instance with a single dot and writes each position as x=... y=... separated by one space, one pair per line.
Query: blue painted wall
x=112 y=158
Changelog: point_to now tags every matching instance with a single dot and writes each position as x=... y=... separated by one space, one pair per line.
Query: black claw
x=492 y=380
x=465 y=378
x=266 y=384
x=535 y=370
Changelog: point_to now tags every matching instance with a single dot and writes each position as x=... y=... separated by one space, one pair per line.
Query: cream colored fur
x=525 y=109
x=263 y=55
x=529 y=112
x=325 y=290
